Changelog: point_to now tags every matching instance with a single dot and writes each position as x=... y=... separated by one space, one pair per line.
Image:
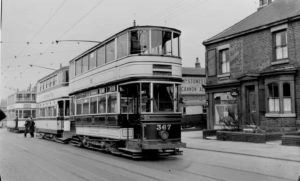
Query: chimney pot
x=197 y=64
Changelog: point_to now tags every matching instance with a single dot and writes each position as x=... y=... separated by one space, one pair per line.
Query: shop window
x=273 y=97
x=225 y=108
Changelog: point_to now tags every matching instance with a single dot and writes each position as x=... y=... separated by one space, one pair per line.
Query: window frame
x=281 y=81
x=280 y=47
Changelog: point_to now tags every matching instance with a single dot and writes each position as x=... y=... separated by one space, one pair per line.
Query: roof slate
x=278 y=10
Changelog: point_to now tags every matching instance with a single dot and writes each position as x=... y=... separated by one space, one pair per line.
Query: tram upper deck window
x=101 y=56
x=175 y=44
x=161 y=42
x=122 y=46
x=85 y=63
x=78 y=66
x=92 y=58
x=139 y=42
x=163 y=97
x=110 y=51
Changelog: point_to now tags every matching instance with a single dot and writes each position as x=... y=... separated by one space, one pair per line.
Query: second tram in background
x=125 y=93
x=20 y=106
x=53 y=104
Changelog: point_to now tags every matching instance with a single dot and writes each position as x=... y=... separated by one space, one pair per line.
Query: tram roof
x=127 y=29
x=54 y=72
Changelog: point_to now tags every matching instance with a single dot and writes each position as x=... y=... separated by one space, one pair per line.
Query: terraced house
x=253 y=69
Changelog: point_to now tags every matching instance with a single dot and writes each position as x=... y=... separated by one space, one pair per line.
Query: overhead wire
x=77 y=22
x=43 y=26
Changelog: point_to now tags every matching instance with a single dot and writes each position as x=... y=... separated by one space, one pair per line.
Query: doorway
x=251 y=106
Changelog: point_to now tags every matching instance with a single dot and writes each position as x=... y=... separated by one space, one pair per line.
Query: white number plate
x=163 y=127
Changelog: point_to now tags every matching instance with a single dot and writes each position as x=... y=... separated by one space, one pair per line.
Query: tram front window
x=163 y=97
x=27 y=113
x=145 y=95
x=161 y=42
x=130 y=98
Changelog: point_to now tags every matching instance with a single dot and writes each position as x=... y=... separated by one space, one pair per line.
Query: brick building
x=253 y=69
x=193 y=96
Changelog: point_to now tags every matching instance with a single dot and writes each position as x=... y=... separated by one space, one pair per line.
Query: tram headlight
x=164 y=135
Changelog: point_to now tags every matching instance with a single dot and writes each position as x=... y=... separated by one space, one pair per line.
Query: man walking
x=31 y=127
x=27 y=125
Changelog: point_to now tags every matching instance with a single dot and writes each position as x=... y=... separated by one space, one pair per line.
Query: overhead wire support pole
x=31 y=65
x=90 y=41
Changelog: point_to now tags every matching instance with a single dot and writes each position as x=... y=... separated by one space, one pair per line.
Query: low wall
x=291 y=139
x=247 y=137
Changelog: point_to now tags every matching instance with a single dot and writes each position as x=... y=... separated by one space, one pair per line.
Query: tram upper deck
x=136 y=52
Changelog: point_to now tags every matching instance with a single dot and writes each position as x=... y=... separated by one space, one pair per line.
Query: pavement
x=271 y=150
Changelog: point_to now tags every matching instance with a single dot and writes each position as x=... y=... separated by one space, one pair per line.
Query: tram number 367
x=163 y=127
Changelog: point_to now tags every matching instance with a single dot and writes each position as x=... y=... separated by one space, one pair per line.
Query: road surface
x=33 y=159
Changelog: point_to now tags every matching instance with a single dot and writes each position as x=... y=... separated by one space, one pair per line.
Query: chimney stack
x=197 y=64
x=263 y=3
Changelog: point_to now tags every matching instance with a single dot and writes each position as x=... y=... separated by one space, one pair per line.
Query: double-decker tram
x=53 y=106
x=20 y=106
x=125 y=93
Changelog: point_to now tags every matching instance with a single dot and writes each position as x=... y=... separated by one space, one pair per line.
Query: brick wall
x=252 y=53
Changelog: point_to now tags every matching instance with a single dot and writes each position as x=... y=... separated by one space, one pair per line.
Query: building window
x=225 y=108
x=280 y=97
x=287 y=98
x=280 y=49
x=224 y=61
x=273 y=97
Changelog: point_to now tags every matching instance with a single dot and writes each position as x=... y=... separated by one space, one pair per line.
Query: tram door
x=60 y=118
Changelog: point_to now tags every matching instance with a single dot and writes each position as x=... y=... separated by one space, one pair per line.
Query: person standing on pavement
x=31 y=127
x=27 y=125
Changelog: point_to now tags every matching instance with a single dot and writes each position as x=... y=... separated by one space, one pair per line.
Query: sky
x=30 y=28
